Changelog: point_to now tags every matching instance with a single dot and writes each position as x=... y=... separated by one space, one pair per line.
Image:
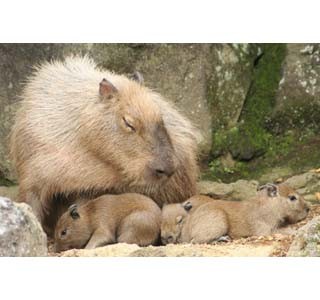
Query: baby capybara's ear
x=137 y=76
x=106 y=89
x=73 y=209
x=187 y=205
x=272 y=189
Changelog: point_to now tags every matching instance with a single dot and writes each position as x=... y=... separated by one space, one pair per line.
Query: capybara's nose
x=164 y=171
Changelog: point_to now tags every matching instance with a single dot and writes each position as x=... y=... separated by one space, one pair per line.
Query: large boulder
x=307 y=240
x=298 y=98
x=307 y=184
x=20 y=232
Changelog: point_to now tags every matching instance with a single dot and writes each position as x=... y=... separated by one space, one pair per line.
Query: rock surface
x=307 y=240
x=298 y=98
x=239 y=190
x=20 y=232
x=307 y=184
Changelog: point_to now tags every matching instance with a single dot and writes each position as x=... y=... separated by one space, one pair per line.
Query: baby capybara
x=127 y=218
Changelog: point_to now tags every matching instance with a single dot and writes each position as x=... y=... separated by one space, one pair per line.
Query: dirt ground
x=273 y=245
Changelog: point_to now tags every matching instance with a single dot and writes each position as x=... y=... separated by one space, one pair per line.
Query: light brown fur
x=128 y=218
x=261 y=215
x=68 y=140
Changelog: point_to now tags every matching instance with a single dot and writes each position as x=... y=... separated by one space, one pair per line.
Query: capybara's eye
x=64 y=232
x=292 y=197
x=130 y=126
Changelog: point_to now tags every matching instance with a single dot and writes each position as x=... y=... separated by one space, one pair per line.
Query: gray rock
x=309 y=179
x=307 y=240
x=244 y=189
x=214 y=188
x=298 y=97
x=239 y=190
x=229 y=82
x=20 y=232
x=307 y=184
x=275 y=173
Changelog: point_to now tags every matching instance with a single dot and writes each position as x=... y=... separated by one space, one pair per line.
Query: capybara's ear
x=272 y=189
x=137 y=76
x=107 y=89
x=187 y=205
x=73 y=209
x=179 y=219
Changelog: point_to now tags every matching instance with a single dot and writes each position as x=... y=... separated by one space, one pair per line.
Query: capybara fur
x=83 y=130
x=273 y=207
x=128 y=218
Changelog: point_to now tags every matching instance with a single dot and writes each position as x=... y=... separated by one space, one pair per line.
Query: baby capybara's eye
x=292 y=197
x=64 y=232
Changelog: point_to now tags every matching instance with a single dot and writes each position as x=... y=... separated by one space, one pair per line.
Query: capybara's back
x=84 y=130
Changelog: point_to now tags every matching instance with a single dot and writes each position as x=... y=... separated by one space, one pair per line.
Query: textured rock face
x=298 y=98
x=307 y=184
x=20 y=232
x=239 y=190
x=229 y=82
x=307 y=240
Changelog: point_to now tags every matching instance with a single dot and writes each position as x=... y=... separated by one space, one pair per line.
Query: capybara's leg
x=141 y=228
x=33 y=200
x=100 y=238
x=224 y=239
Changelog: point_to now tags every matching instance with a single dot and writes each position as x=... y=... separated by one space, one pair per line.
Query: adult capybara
x=82 y=130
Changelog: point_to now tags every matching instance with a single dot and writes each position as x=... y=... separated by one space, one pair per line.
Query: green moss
x=6 y=182
x=288 y=153
x=250 y=137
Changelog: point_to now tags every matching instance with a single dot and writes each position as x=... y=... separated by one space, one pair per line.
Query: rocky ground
x=20 y=234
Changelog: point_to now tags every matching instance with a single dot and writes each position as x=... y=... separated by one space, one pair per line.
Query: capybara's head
x=173 y=217
x=288 y=202
x=72 y=230
x=132 y=134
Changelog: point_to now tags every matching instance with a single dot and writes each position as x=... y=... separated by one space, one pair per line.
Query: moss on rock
x=250 y=138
